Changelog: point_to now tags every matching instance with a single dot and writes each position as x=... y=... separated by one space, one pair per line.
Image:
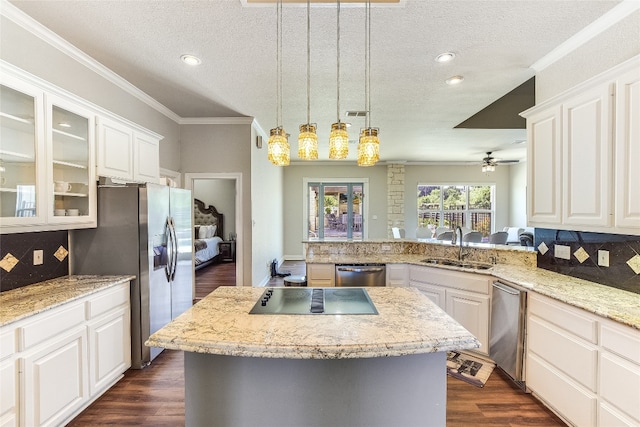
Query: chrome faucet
x=458 y=232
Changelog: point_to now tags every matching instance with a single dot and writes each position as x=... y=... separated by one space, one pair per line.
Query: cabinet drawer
x=7 y=342
x=620 y=384
x=567 y=353
x=459 y=280
x=108 y=301
x=48 y=326
x=568 y=398
x=565 y=318
x=608 y=416
x=622 y=341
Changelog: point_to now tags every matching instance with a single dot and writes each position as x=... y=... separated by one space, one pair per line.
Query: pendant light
x=308 y=139
x=278 y=144
x=369 y=144
x=338 y=138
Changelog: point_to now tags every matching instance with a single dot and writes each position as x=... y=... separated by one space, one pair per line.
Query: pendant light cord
x=279 y=59
x=308 y=63
x=338 y=65
x=367 y=77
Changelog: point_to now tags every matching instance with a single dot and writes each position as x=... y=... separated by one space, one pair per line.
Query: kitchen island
x=286 y=370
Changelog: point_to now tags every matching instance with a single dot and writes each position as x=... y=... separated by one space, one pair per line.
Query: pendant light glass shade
x=278 y=147
x=308 y=142
x=338 y=141
x=368 y=147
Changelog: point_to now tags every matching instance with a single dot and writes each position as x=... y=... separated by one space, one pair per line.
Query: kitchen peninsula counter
x=319 y=369
x=26 y=301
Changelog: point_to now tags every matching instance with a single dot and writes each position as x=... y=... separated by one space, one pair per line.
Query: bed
x=208 y=229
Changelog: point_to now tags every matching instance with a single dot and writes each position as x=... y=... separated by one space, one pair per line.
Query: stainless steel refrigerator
x=143 y=230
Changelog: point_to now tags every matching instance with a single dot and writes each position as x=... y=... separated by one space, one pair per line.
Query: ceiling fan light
x=278 y=147
x=308 y=142
x=368 y=147
x=488 y=168
x=338 y=141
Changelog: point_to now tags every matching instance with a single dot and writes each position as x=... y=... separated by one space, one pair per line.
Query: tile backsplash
x=16 y=258
x=582 y=250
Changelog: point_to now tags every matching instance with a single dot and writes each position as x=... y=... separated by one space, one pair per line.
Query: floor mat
x=471 y=369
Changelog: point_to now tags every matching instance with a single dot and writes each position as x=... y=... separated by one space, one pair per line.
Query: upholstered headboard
x=207 y=216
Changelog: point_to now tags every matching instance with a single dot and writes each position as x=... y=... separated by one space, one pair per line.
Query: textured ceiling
x=496 y=42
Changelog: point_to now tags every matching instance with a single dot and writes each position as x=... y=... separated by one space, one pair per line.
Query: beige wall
x=518 y=195
x=221 y=193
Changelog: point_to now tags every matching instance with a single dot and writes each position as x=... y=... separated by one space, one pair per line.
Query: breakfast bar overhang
x=315 y=370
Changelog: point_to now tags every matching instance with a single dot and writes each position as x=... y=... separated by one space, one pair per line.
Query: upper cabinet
x=127 y=153
x=583 y=148
x=53 y=146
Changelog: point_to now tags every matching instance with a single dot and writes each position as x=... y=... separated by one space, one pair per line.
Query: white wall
x=518 y=195
x=220 y=193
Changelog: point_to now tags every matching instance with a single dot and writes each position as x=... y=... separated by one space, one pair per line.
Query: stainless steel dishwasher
x=361 y=275
x=506 y=343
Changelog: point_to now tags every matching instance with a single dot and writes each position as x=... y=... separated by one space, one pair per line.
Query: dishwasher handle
x=505 y=288
x=361 y=269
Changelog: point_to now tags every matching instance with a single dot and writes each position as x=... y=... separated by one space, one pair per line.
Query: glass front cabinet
x=47 y=160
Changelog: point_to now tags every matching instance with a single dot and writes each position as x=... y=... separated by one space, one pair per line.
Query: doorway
x=224 y=191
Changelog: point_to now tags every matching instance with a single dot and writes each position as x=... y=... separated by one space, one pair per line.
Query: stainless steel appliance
x=361 y=275
x=143 y=230
x=506 y=345
x=314 y=301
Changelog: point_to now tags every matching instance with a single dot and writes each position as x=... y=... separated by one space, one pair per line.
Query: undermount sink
x=455 y=263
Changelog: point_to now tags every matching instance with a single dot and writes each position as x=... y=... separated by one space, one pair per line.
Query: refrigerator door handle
x=169 y=236
x=174 y=241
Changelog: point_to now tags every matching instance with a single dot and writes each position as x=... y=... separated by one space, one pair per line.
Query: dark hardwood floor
x=154 y=396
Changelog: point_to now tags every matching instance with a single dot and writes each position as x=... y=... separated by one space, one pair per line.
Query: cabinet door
x=397 y=275
x=110 y=349
x=115 y=149
x=9 y=393
x=471 y=310
x=146 y=158
x=54 y=379
x=587 y=146
x=627 y=187
x=544 y=162
x=22 y=161
x=71 y=167
x=433 y=292
x=321 y=275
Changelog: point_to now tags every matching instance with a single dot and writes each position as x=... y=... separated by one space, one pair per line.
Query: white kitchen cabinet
x=583 y=148
x=55 y=363
x=396 y=275
x=127 y=153
x=544 y=166
x=321 y=275
x=586 y=153
x=47 y=156
x=627 y=152
x=463 y=296
x=54 y=379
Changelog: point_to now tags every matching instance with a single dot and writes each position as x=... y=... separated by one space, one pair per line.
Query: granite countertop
x=615 y=304
x=19 y=303
x=407 y=323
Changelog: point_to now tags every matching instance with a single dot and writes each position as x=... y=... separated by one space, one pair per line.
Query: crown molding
x=612 y=17
x=216 y=120
x=34 y=27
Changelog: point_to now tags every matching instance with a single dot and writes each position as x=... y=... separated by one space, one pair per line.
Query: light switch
x=603 y=258
x=38 y=257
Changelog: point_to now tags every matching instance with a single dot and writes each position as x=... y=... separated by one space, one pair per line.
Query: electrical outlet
x=562 y=251
x=386 y=247
x=603 y=258
x=38 y=257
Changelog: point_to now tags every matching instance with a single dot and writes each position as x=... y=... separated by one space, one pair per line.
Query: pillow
x=214 y=228
x=202 y=233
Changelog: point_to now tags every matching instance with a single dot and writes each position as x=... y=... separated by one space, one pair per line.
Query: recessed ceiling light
x=445 y=57
x=190 y=60
x=64 y=125
x=454 y=80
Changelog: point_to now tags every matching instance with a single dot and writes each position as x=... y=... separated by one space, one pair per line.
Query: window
x=335 y=210
x=470 y=206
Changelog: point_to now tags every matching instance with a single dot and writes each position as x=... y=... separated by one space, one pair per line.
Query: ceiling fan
x=489 y=163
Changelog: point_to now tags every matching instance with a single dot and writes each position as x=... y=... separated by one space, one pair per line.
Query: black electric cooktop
x=314 y=301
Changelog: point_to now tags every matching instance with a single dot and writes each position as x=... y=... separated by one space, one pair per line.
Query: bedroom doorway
x=223 y=191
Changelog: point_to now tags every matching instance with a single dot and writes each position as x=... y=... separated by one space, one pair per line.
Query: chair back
x=423 y=233
x=472 y=237
x=445 y=235
x=499 y=238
